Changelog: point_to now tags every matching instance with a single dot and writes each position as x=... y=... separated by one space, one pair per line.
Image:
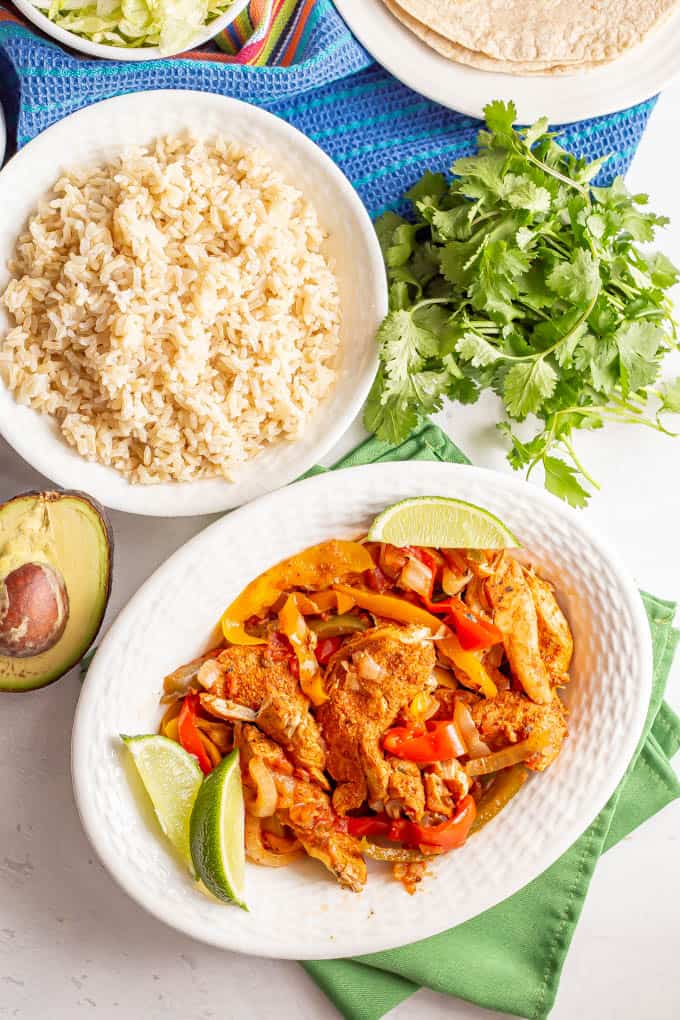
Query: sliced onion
x=367 y=667
x=417 y=577
x=265 y=803
x=212 y=750
x=392 y=560
x=221 y=733
x=453 y=582
x=209 y=673
x=509 y=755
x=224 y=709
x=394 y=854
x=258 y=853
x=285 y=788
x=465 y=725
x=178 y=681
x=282 y=844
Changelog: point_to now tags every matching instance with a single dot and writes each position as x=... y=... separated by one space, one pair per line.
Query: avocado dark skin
x=56 y=565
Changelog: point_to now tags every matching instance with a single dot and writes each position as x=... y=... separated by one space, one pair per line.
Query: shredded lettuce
x=172 y=25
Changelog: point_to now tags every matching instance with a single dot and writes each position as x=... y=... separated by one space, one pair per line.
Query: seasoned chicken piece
x=438 y=800
x=370 y=680
x=447 y=700
x=510 y=717
x=454 y=777
x=515 y=615
x=554 y=635
x=405 y=790
x=253 y=744
x=306 y=809
x=250 y=676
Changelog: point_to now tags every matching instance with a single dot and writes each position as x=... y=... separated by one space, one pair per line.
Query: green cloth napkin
x=510 y=958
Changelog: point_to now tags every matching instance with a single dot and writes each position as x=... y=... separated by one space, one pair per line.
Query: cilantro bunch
x=521 y=276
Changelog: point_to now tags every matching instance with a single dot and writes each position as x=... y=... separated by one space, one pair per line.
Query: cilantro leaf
x=638 y=344
x=670 y=397
x=431 y=187
x=477 y=350
x=577 y=280
x=560 y=479
x=527 y=385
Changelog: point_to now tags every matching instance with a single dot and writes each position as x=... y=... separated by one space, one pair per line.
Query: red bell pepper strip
x=325 y=648
x=422 y=555
x=440 y=741
x=474 y=634
x=189 y=736
x=449 y=834
x=367 y=825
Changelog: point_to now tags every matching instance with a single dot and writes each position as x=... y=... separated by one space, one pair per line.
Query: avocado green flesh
x=67 y=531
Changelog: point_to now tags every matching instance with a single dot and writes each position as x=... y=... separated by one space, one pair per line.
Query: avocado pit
x=33 y=610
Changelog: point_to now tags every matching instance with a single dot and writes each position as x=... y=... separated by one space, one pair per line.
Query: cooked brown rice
x=173 y=310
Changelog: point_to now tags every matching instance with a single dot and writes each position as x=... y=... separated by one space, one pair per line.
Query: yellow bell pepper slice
x=320 y=566
x=469 y=664
x=292 y=624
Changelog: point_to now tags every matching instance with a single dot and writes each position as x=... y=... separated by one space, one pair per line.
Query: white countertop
x=72 y=944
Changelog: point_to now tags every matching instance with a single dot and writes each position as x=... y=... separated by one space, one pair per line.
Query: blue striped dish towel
x=381 y=134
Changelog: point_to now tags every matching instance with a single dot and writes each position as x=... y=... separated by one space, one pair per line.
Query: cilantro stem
x=563 y=339
x=431 y=301
x=584 y=189
x=579 y=466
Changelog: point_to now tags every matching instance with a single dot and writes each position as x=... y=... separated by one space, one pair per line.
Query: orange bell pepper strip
x=391 y=606
x=292 y=624
x=320 y=566
x=316 y=602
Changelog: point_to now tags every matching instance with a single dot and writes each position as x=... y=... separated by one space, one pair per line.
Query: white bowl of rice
x=189 y=302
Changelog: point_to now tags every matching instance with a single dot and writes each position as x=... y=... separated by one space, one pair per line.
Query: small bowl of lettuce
x=131 y=29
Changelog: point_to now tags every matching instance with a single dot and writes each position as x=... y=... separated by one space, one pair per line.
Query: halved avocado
x=56 y=562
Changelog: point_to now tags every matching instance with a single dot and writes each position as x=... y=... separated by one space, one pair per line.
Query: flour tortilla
x=550 y=31
x=480 y=61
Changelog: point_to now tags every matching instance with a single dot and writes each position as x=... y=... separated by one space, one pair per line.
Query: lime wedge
x=440 y=522
x=172 y=778
x=217 y=832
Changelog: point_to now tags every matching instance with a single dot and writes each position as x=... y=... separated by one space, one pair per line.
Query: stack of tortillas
x=531 y=36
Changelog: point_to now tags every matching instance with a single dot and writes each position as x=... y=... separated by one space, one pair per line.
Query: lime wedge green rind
x=172 y=778
x=441 y=522
x=217 y=832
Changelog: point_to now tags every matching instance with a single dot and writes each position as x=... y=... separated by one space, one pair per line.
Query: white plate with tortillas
x=564 y=59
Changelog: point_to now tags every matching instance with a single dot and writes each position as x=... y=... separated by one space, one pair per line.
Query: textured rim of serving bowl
x=106 y=52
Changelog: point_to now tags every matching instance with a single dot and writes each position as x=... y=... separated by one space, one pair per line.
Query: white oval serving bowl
x=93 y=49
x=300 y=912
x=98 y=133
